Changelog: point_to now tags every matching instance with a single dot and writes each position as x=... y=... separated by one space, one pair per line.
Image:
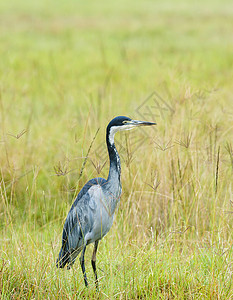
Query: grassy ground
x=66 y=69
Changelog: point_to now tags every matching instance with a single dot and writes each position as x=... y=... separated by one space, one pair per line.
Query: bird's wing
x=77 y=223
x=79 y=220
x=87 y=186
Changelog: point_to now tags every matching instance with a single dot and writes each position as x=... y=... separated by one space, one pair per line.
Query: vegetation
x=66 y=69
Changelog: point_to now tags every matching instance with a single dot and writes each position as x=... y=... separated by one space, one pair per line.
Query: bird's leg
x=83 y=264
x=93 y=262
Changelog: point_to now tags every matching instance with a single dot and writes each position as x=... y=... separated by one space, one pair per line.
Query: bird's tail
x=63 y=258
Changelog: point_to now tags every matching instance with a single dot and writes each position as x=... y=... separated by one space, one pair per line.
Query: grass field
x=66 y=69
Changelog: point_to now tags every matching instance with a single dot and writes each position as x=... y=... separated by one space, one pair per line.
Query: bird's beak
x=141 y=123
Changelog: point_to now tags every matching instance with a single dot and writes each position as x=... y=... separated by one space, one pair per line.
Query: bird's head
x=123 y=123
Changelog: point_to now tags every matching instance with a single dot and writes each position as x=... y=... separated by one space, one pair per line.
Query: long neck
x=114 y=175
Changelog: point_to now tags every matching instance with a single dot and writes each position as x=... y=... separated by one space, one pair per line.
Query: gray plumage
x=92 y=213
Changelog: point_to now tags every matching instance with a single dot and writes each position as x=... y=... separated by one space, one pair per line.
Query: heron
x=91 y=215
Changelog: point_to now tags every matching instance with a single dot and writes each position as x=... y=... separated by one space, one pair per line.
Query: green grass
x=66 y=69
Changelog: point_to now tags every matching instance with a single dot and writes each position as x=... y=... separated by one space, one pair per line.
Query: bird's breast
x=102 y=203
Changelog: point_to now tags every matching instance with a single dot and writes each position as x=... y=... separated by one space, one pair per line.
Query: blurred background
x=66 y=69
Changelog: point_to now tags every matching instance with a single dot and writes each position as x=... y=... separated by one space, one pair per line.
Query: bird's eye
x=125 y=122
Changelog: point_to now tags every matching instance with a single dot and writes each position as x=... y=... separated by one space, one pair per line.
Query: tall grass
x=66 y=70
